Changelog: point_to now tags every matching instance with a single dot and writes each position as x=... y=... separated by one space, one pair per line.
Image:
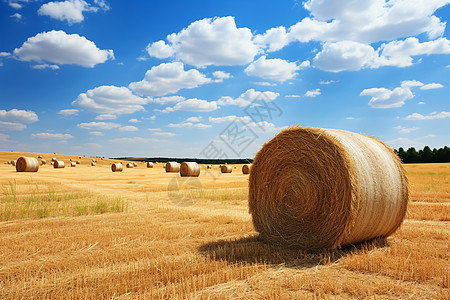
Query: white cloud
x=154 y=129
x=429 y=136
x=405 y=130
x=69 y=112
x=293 y=96
x=194 y=119
x=19 y=116
x=312 y=93
x=134 y=120
x=6 y=126
x=263 y=127
x=433 y=115
x=15 y=5
x=431 y=86
x=229 y=119
x=264 y=83
x=128 y=128
x=421 y=103
x=208 y=41
x=168 y=99
x=274 y=39
x=247 y=98
x=168 y=134
x=98 y=125
x=4 y=54
x=110 y=99
x=168 y=78
x=55 y=136
x=45 y=66
x=160 y=50
x=385 y=98
x=96 y=133
x=133 y=140
x=350 y=118
x=70 y=10
x=16 y=16
x=221 y=76
x=189 y=125
x=4 y=137
x=193 y=104
x=326 y=81
x=272 y=69
x=151 y=118
x=104 y=117
x=61 y=48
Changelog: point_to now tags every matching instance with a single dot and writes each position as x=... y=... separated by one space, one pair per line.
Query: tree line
x=426 y=155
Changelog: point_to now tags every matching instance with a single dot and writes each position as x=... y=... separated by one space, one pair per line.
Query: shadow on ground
x=254 y=251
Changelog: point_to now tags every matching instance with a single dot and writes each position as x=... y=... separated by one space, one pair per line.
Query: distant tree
x=411 y=155
x=426 y=155
x=401 y=154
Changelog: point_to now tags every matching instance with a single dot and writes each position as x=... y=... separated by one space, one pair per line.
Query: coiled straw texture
x=189 y=169
x=316 y=188
x=27 y=164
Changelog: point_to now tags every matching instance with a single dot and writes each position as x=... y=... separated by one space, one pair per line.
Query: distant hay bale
x=70 y=159
x=27 y=164
x=226 y=169
x=78 y=162
x=246 y=169
x=9 y=162
x=59 y=164
x=149 y=164
x=13 y=163
x=172 y=166
x=53 y=158
x=94 y=160
x=208 y=166
x=135 y=164
x=316 y=188
x=43 y=161
x=40 y=156
x=93 y=163
x=52 y=163
x=189 y=169
x=73 y=164
x=130 y=165
x=117 y=167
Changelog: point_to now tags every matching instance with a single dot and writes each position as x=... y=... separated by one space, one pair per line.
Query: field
x=86 y=232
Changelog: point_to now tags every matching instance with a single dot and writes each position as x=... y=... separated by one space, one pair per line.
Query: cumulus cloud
x=405 y=130
x=229 y=119
x=312 y=93
x=54 y=136
x=194 y=119
x=431 y=86
x=104 y=117
x=70 y=10
x=61 y=48
x=98 y=125
x=385 y=98
x=128 y=128
x=6 y=126
x=133 y=140
x=168 y=99
x=134 y=120
x=168 y=78
x=193 y=104
x=96 y=133
x=109 y=99
x=247 y=98
x=431 y=116
x=187 y=124
x=273 y=69
x=273 y=39
x=160 y=133
x=221 y=76
x=69 y=112
x=216 y=41
x=18 y=116
x=16 y=16
x=45 y=66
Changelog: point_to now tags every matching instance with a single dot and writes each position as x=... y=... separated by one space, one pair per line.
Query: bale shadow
x=252 y=250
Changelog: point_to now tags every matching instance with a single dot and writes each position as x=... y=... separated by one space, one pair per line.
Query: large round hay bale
x=172 y=166
x=316 y=188
x=246 y=169
x=226 y=169
x=117 y=167
x=73 y=164
x=149 y=164
x=189 y=169
x=130 y=165
x=27 y=164
x=59 y=164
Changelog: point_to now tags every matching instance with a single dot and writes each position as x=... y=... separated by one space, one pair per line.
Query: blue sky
x=219 y=78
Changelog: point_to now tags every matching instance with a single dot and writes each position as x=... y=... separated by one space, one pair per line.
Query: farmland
x=86 y=232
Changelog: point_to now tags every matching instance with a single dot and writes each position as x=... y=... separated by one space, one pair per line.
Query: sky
x=217 y=79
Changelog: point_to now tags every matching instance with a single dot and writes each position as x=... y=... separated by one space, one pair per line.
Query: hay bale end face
x=13 y=163
x=73 y=164
x=135 y=164
x=40 y=156
x=58 y=164
x=189 y=169
x=226 y=169
x=246 y=169
x=209 y=166
x=78 y=162
x=316 y=188
x=27 y=164
x=53 y=158
x=172 y=167
x=93 y=163
x=117 y=167
x=43 y=161
x=130 y=165
x=149 y=164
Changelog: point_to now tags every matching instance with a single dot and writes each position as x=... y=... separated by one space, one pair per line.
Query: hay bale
x=13 y=163
x=208 y=166
x=149 y=164
x=172 y=166
x=316 y=188
x=93 y=163
x=73 y=164
x=9 y=162
x=52 y=163
x=43 y=162
x=78 y=162
x=27 y=164
x=59 y=164
x=135 y=164
x=189 y=169
x=94 y=160
x=117 y=167
x=40 y=156
x=53 y=158
x=226 y=169
x=246 y=169
x=130 y=165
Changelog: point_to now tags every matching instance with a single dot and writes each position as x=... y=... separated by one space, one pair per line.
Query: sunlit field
x=86 y=232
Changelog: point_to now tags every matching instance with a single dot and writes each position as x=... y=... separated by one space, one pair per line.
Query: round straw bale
x=73 y=164
x=9 y=162
x=226 y=169
x=316 y=188
x=40 y=156
x=172 y=166
x=246 y=169
x=58 y=164
x=149 y=164
x=52 y=163
x=43 y=161
x=78 y=162
x=94 y=160
x=135 y=164
x=13 y=163
x=117 y=167
x=53 y=158
x=130 y=165
x=27 y=164
x=208 y=166
x=93 y=163
x=189 y=169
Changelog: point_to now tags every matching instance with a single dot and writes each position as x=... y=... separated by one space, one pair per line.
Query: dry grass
x=156 y=249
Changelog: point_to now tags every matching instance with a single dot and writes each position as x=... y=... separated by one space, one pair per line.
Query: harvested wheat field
x=92 y=233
